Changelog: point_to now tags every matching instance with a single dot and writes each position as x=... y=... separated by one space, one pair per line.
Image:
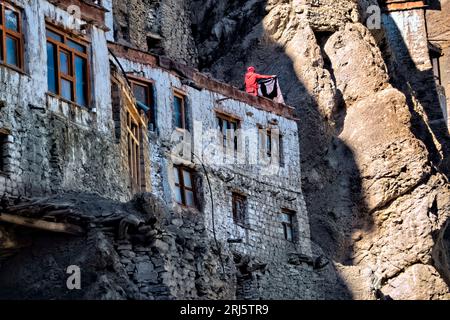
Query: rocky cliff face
x=379 y=205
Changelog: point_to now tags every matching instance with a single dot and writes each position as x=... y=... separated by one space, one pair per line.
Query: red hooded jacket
x=251 y=81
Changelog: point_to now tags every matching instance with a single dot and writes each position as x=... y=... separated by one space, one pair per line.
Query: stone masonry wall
x=326 y=62
x=268 y=189
x=55 y=145
x=137 y=250
x=327 y=15
x=160 y=26
x=201 y=110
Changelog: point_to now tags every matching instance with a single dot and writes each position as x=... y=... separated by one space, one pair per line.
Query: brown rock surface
x=358 y=66
x=418 y=282
x=403 y=203
x=390 y=160
x=439 y=24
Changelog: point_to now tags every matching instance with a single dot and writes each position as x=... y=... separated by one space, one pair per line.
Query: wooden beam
x=41 y=224
x=396 y=5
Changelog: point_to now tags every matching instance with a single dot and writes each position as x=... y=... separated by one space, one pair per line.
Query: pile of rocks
x=135 y=250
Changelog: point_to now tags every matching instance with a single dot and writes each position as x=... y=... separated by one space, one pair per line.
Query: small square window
x=265 y=142
x=143 y=92
x=270 y=145
x=287 y=222
x=239 y=209
x=179 y=111
x=12 y=50
x=184 y=189
x=228 y=127
x=11 y=20
x=11 y=46
x=436 y=68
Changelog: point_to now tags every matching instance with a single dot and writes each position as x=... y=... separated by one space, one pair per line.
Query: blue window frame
x=67 y=67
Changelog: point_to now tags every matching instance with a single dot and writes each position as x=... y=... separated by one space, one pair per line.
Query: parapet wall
x=200 y=80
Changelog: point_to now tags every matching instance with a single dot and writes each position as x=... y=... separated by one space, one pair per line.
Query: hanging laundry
x=270 y=88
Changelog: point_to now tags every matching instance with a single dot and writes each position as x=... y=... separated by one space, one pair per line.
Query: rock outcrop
x=405 y=203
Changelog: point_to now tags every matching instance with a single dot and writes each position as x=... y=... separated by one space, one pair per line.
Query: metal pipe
x=212 y=214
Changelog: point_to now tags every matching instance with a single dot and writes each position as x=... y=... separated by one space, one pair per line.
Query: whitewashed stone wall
x=267 y=192
x=55 y=145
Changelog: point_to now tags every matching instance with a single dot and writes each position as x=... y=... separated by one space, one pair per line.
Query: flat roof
x=201 y=80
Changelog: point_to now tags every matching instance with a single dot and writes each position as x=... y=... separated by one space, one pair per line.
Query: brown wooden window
x=270 y=143
x=134 y=151
x=287 y=222
x=265 y=142
x=67 y=67
x=228 y=127
x=116 y=104
x=239 y=209
x=179 y=111
x=184 y=186
x=11 y=36
x=143 y=92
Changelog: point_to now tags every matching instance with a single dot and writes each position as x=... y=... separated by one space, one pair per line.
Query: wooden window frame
x=182 y=96
x=179 y=169
x=241 y=221
x=17 y=35
x=134 y=136
x=262 y=144
x=435 y=55
x=290 y=224
x=149 y=84
x=63 y=47
x=233 y=119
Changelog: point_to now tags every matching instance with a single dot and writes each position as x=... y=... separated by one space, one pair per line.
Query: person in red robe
x=251 y=80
